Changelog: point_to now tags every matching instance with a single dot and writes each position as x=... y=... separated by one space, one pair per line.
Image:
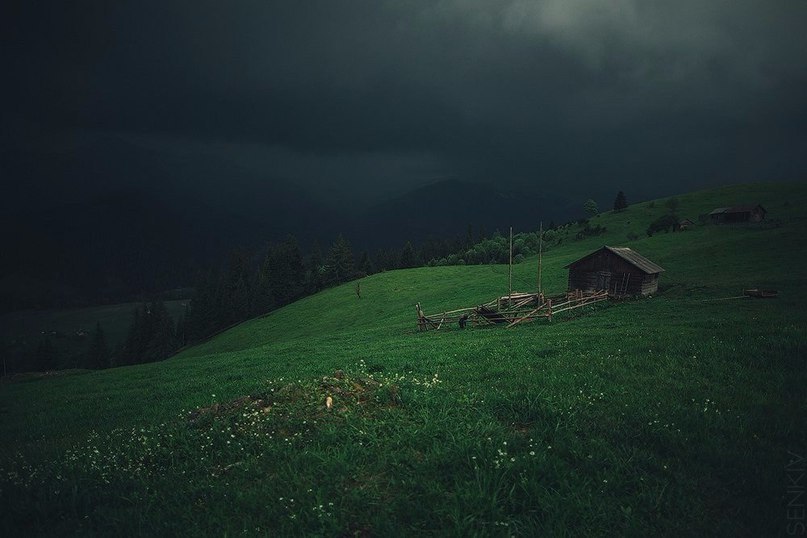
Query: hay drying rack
x=515 y=307
x=510 y=310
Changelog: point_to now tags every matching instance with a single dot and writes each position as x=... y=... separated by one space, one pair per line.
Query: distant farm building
x=738 y=214
x=618 y=270
x=685 y=224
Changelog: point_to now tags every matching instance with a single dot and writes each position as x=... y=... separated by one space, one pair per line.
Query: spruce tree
x=620 y=203
x=365 y=264
x=5 y=353
x=340 y=262
x=315 y=269
x=590 y=207
x=408 y=256
x=285 y=272
x=237 y=291
x=152 y=334
x=98 y=354
x=161 y=332
x=180 y=331
x=135 y=345
x=203 y=315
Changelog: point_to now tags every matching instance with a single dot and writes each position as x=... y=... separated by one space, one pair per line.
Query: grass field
x=676 y=415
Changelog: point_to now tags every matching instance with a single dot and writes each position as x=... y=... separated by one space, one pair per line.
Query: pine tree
x=180 y=331
x=340 y=262
x=315 y=270
x=284 y=270
x=386 y=259
x=239 y=301
x=135 y=345
x=262 y=300
x=620 y=203
x=408 y=256
x=365 y=264
x=237 y=291
x=152 y=334
x=98 y=354
x=5 y=353
x=161 y=332
x=590 y=207
x=204 y=310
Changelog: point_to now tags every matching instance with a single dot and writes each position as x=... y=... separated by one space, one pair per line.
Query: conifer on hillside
x=620 y=202
x=339 y=264
x=98 y=354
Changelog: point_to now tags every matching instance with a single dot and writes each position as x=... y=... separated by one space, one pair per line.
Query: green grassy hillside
x=676 y=414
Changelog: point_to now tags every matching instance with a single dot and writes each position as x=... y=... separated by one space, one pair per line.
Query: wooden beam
x=519 y=320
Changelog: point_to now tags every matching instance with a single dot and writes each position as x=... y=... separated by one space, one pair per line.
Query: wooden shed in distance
x=618 y=270
x=737 y=214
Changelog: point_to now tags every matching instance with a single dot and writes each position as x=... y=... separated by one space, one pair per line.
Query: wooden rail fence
x=509 y=310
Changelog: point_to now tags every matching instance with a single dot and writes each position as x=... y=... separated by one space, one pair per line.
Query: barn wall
x=736 y=217
x=649 y=285
x=635 y=283
x=582 y=280
x=753 y=215
x=613 y=282
x=606 y=270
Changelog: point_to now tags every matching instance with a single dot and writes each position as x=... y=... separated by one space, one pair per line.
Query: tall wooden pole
x=510 y=285
x=540 y=255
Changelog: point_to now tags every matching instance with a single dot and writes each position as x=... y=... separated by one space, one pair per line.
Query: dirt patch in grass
x=335 y=395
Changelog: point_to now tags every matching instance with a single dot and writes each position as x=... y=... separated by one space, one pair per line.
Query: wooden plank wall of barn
x=584 y=275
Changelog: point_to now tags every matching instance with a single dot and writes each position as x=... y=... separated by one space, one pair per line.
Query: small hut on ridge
x=738 y=214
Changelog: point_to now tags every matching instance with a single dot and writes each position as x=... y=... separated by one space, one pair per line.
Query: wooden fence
x=509 y=310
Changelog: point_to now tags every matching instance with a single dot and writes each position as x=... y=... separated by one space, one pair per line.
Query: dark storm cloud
x=551 y=92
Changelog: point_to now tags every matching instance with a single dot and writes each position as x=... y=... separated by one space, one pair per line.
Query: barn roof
x=745 y=209
x=630 y=256
x=737 y=209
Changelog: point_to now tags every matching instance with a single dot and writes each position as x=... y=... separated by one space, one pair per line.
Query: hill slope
x=671 y=415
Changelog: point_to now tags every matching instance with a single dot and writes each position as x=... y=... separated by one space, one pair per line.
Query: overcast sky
x=364 y=99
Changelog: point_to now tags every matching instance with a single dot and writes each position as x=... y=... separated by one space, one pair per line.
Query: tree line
x=248 y=283
x=254 y=283
x=249 y=286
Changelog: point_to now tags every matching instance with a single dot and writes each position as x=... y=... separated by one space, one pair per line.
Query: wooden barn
x=618 y=270
x=736 y=214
